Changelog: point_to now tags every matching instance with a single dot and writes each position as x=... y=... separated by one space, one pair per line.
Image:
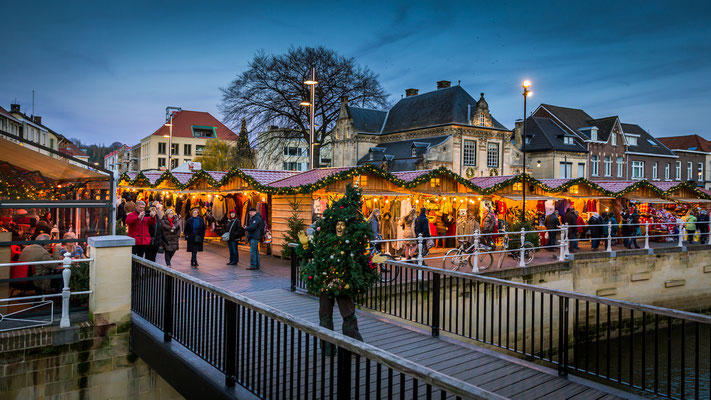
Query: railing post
x=475 y=266
x=561 y=257
x=419 y=249
x=66 y=274
x=294 y=271
x=435 y=304
x=681 y=234
x=168 y=309
x=567 y=239
x=522 y=262
x=563 y=344
x=646 y=234
x=609 y=236
x=344 y=374
x=230 y=337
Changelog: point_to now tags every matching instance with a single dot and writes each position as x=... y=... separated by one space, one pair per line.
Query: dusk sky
x=105 y=71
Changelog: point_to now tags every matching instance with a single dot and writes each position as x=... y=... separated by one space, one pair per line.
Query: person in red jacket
x=138 y=224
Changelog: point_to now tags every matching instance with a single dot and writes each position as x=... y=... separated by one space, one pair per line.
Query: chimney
x=15 y=108
x=443 y=84
x=411 y=92
x=37 y=119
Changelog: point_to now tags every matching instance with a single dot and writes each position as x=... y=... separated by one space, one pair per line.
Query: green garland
x=349 y=174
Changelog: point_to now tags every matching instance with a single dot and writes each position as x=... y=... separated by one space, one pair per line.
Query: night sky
x=105 y=71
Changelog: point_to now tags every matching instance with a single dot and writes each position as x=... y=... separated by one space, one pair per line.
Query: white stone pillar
x=110 y=279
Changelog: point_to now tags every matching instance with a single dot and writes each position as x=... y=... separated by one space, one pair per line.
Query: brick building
x=694 y=163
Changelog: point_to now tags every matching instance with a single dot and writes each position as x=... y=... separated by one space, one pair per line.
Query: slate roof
x=366 y=120
x=646 y=143
x=409 y=176
x=545 y=134
x=184 y=120
x=573 y=118
x=486 y=182
x=7 y=115
x=686 y=142
x=308 y=177
x=604 y=127
x=440 y=107
x=399 y=154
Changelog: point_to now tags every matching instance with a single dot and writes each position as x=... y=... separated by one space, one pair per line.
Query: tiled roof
x=182 y=177
x=573 y=118
x=646 y=143
x=486 y=182
x=152 y=176
x=545 y=135
x=7 y=115
x=367 y=121
x=183 y=121
x=122 y=148
x=399 y=154
x=604 y=127
x=308 y=177
x=686 y=142
x=266 y=177
x=553 y=183
x=70 y=149
x=615 y=186
x=409 y=176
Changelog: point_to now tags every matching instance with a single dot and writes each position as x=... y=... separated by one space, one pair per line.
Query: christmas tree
x=294 y=225
x=336 y=260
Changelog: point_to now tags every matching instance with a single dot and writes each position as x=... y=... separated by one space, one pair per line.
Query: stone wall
x=81 y=362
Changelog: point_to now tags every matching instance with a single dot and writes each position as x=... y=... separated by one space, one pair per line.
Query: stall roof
x=409 y=176
x=308 y=177
x=486 y=182
x=694 y=200
x=650 y=200
x=50 y=167
x=531 y=197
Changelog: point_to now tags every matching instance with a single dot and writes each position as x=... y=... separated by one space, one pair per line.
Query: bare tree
x=270 y=90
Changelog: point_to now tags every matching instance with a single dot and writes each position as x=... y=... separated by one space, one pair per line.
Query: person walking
x=194 y=235
x=255 y=231
x=156 y=231
x=691 y=226
x=596 y=230
x=571 y=219
x=552 y=223
x=702 y=225
x=170 y=234
x=422 y=227
x=635 y=230
x=487 y=227
x=139 y=225
x=236 y=231
x=408 y=225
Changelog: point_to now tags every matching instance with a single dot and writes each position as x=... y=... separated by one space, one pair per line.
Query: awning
x=56 y=169
x=693 y=200
x=586 y=197
x=651 y=200
x=529 y=197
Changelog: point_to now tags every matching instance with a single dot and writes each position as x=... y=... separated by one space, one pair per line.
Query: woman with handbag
x=194 y=235
x=156 y=244
x=234 y=233
x=170 y=227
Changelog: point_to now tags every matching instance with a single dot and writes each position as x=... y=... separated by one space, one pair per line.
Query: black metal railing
x=273 y=354
x=652 y=349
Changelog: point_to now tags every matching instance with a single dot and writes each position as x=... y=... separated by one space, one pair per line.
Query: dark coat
x=171 y=235
x=254 y=227
x=571 y=219
x=234 y=227
x=702 y=223
x=195 y=238
x=552 y=221
x=422 y=226
x=595 y=228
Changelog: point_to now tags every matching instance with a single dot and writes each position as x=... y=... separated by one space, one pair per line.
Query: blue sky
x=105 y=72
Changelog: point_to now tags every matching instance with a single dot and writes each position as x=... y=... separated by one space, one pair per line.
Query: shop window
x=637 y=169
x=470 y=152
x=162 y=148
x=434 y=182
x=595 y=165
x=608 y=166
x=187 y=150
x=620 y=167
x=492 y=155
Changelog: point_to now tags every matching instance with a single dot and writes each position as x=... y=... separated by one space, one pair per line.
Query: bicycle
x=388 y=272
x=461 y=255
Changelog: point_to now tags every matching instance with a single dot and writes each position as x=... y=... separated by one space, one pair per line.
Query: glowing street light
x=311 y=82
x=526 y=94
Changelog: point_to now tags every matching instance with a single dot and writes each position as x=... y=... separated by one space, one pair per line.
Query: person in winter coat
x=571 y=219
x=236 y=232
x=702 y=225
x=488 y=225
x=691 y=226
x=156 y=232
x=170 y=227
x=195 y=235
x=552 y=222
x=441 y=226
x=139 y=225
x=374 y=222
x=409 y=233
x=255 y=231
x=422 y=227
x=596 y=228
x=633 y=228
x=36 y=252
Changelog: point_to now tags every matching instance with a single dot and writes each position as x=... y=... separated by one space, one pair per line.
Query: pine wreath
x=339 y=265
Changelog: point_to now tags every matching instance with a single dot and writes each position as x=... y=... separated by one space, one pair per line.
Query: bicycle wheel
x=486 y=260
x=388 y=272
x=529 y=253
x=454 y=259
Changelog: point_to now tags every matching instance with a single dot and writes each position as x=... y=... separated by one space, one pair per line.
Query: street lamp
x=526 y=94
x=311 y=82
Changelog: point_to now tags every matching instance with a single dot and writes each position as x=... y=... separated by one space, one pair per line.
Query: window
x=413 y=152
x=613 y=139
x=174 y=150
x=434 y=182
x=174 y=163
x=595 y=165
x=581 y=170
x=701 y=172
x=199 y=148
x=51 y=143
x=469 y=152
x=667 y=172
x=689 y=170
x=565 y=169
x=161 y=162
x=637 y=169
x=492 y=155
x=295 y=151
x=187 y=150
x=652 y=142
x=655 y=174
x=568 y=140
x=162 y=148
x=620 y=167
x=678 y=170
x=292 y=166
x=593 y=134
x=608 y=166
x=481 y=119
x=204 y=132
x=631 y=141
x=360 y=180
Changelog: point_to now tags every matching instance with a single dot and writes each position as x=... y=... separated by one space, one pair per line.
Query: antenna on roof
x=33 y=102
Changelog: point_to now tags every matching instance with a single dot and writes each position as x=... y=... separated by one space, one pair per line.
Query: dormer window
x=414 y=152
x=631 y=141
x=593 y=134
x=568 y=140
x=204 y=132
x=613 y=139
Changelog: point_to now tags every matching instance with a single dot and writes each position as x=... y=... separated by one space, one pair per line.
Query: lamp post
x=311 y=82
x=526 y=93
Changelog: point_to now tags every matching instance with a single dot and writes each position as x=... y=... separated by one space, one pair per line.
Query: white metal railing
x=66 y=263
